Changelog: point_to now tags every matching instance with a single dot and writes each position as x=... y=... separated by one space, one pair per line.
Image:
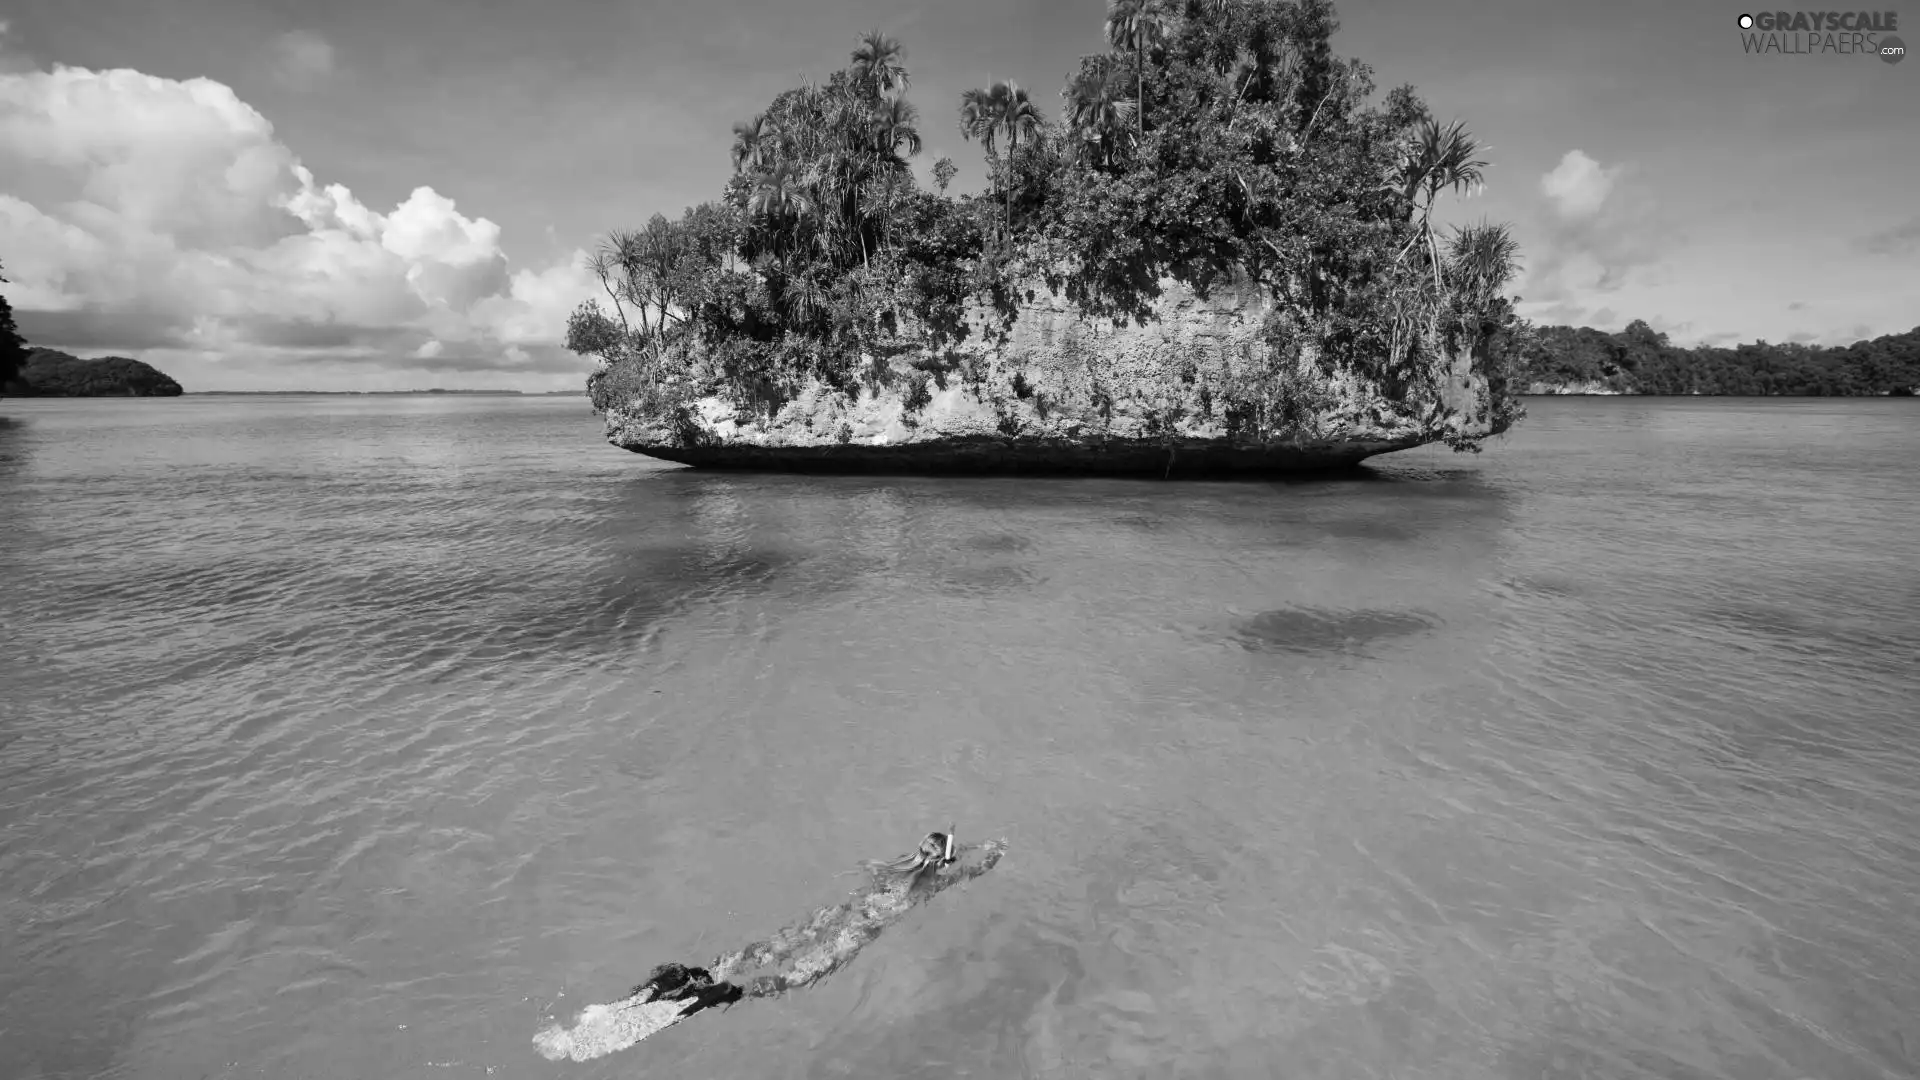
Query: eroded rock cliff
x=1196 y=390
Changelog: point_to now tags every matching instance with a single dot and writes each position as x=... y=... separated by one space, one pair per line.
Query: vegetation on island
x=13 y=350
x=1640 y=360
x=52 y=373
x=1214 y=141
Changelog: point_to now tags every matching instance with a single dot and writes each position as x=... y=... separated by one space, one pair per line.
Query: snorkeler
x=936 y=850
x=791 y=958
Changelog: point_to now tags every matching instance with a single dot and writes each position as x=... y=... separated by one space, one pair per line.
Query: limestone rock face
x=1059 y=391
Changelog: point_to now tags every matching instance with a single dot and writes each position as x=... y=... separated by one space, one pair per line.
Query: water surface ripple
x=356 y=737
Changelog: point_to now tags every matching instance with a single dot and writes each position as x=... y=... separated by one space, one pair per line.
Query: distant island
x=1639 y=360
x=43 y=372
x=52 y=373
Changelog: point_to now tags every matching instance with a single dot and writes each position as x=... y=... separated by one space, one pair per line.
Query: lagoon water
x=358 y=737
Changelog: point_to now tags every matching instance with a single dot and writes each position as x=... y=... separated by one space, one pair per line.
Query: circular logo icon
x=1746 y=22
x=1892 y=49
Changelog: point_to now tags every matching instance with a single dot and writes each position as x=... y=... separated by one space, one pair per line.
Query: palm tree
x=835 y=152
x=751 y=141
x=1483 y=259
x=1270 y=63
x=863 y=141
x=627 y=251
x=779 y=192
x=1097 y=107
x=1435 y=160
x=664 y=254
x=602 y=265
x=1134 y=26
x=1003 y=109
x=977 y=113
x=877 y=63
x=895 y=137
x=895 y=127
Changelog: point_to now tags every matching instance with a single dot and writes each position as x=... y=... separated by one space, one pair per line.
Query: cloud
x=1594 y=230
x=1578 y=186
x=143 y=212
x=1901 y=239
x=96 y=329
x=301 y=59
x=1560 y=313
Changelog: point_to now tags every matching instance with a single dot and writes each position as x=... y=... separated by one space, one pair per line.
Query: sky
x=361 y=195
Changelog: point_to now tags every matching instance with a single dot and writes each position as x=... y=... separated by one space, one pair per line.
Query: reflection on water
x=356 y=737
x=1308 y=631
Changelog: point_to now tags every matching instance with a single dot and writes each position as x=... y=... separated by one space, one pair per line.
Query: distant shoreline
x=1756 y=397
x=386 y=393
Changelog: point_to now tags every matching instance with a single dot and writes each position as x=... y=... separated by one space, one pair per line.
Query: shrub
x=917 y=396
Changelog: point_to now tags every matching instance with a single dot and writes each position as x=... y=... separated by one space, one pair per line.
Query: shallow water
x=358 y=737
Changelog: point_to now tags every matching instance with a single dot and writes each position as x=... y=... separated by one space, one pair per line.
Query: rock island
x=1217 y=256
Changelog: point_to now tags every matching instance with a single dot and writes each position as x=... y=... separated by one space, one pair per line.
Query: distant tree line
x=1640 y=360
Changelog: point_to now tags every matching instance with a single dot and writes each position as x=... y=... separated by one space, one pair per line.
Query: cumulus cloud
x=144 y=212
x=302 y=59
x=1594 y=231
x=1578 y=186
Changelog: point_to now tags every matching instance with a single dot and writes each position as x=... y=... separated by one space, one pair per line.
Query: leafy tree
x=13 y=349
